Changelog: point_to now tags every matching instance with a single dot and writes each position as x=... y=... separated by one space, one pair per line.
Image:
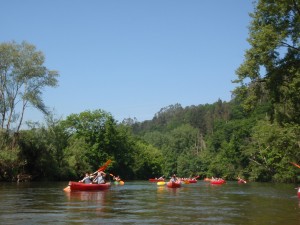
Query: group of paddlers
x=98 y=177
x=174 y=178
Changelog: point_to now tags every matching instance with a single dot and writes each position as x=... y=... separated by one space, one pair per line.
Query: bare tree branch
x=289 y=46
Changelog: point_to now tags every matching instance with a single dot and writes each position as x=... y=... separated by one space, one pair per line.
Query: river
x=142 y=202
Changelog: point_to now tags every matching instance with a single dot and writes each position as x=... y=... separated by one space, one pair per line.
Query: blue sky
x=132 y=57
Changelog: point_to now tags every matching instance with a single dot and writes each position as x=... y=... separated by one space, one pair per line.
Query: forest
x=255 y=135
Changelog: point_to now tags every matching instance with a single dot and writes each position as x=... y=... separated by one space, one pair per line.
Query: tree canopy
x=272 y=64
x=22 y=79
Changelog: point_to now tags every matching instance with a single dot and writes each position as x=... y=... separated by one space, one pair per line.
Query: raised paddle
x=295 y=164
x=102 y=168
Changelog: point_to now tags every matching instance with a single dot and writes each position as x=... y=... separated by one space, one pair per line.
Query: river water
x=142 y=202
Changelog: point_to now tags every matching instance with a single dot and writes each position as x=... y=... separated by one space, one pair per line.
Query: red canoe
x=174 y=184
x=156 y=180
x=192 y=181
x=220 y=181
x=78 y=186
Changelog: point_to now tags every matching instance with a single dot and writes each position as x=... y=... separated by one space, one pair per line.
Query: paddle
x=112 y=175
x=67 y=189
x=102 y=168
x=295 y=164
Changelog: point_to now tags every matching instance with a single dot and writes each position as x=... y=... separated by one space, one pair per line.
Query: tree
x=42 y=150
x=94 y=128
x=148 y=161
x=272 y=64
x=22 y=79
x=271 y=150
x=179 y=141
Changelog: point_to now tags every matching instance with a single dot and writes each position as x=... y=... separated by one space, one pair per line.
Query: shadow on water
x=142 y=202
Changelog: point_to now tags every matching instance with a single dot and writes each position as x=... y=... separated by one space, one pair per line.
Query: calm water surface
x=142 y=202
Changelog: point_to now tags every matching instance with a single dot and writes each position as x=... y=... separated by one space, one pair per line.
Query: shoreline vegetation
x=150 y=149
x=254 y=136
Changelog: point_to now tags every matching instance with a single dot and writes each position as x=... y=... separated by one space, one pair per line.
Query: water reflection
x=83 y=206
x=160 y=189
x=95 y=196
x=174 y=191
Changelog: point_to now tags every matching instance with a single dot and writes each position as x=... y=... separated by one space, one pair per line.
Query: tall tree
x=22 y=79
x=272 y=64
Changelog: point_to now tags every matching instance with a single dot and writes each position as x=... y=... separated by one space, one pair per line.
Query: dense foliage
x=256 y=135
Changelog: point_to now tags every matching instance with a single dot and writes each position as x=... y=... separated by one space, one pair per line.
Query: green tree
x=38 y=159
x=148 y=161
x=22 y=79
x=179 y=141
x=271 y=69
x=100 y=138
x=9 y=163
x=77 y=157
x=271 y=150
x=97 y=129
x=57 y=141
x=270 y=81
x=189 y=163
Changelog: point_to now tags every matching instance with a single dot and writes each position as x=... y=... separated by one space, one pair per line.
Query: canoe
x=156 y=180
x=192 y=181
x=299 y=192
x=185 y=181
x=159 y=183
x=78 y=186
x=221 y=181
x=119 y=182
x=174 y=184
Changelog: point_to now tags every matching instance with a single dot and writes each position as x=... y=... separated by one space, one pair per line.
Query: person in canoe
x=86 y=179
x=116 y=178
x=100 y=178
x=241 y=181
x=174 y=178
x=161 y=178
